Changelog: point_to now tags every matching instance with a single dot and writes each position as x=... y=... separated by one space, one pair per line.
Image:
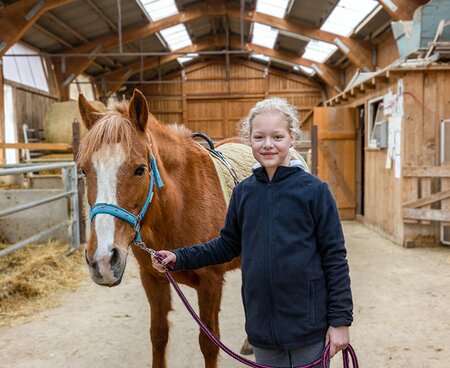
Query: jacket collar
x=280 y=173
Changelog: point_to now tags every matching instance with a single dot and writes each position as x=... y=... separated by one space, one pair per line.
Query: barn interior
x=370 y=81
x=368 y=78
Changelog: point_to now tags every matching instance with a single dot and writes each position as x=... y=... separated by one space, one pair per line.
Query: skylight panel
x=261 y=57
x=347 y=15
x=158 y=9
x=186 y=59
x=176 y=37
x=264 y=35
x=305 y=69
x=318 y=51
x=271 y=7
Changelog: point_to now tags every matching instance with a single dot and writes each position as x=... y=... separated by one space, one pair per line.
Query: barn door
x=336 y=164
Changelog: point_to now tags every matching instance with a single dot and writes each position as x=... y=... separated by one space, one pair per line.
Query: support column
x=2 y=113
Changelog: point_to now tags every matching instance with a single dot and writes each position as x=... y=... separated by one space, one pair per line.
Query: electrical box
x=381 y=134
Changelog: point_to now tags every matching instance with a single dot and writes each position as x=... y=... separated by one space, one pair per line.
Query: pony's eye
x=139 y=171
x=83 y=173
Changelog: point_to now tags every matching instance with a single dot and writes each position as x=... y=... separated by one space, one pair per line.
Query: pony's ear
x=88 y=113
x=138 y=110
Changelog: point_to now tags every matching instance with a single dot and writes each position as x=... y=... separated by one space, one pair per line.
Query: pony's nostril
x=94 y=265
x=86 y=258
x=115 y=257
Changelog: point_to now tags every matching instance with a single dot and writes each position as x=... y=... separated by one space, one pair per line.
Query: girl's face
x=271 y=139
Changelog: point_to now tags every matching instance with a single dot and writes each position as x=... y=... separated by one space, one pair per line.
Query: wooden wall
x=421 y=142
x=426 y=101
x=206 y=99
x=387 y=51
x=30 y=107
x=382 y=207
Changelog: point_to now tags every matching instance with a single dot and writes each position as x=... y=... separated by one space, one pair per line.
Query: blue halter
x=123 y=214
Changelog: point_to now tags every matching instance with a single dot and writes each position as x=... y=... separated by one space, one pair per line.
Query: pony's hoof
x=246 y=349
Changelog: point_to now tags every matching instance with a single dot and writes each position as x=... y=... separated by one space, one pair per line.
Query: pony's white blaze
x=106 y=163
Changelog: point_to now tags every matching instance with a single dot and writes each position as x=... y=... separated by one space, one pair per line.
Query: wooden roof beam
x=116 y=78
x=402 y=9
x=16 y=19
x=76 y=34
x=358 y=52
x=66 y=72
x=328 y=74
x=112 y=26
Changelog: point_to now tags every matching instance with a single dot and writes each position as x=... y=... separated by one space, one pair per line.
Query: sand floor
x=402 y=316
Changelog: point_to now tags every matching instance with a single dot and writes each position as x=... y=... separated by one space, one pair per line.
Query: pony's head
x=115 y=156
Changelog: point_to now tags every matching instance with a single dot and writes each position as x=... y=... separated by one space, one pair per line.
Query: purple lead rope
x=322 y=360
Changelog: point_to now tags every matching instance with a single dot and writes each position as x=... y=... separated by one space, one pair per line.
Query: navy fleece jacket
x=295 y=276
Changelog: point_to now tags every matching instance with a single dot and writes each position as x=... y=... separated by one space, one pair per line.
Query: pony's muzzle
x=108 y=270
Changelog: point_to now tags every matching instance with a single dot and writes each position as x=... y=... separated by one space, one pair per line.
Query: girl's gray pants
x=289 y=358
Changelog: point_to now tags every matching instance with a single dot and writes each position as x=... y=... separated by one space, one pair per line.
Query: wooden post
x=2 y=114
x=80 y=181
x=314 y=149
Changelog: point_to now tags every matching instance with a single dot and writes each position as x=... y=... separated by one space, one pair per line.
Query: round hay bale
x=59 y=118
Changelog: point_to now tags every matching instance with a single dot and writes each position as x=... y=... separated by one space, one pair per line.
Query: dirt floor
x=402 y=316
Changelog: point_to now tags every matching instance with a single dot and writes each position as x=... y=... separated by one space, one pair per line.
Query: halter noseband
x=127 y=216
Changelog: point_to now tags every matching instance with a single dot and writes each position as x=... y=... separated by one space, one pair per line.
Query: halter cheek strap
x=127 y=216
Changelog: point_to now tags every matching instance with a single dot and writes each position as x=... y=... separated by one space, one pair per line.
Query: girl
x=284 y=224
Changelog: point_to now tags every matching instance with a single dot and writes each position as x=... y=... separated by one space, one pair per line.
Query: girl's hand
x=338 y=337
x=169 y=257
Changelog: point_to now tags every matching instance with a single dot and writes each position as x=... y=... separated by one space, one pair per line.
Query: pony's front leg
x=209 y=296
x=158 y=294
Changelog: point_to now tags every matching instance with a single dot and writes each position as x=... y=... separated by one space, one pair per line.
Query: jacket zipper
x=273 y=320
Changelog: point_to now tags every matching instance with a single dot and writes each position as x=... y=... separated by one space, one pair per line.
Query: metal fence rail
x=69 y=174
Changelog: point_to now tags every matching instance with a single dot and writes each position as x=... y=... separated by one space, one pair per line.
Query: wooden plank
x=426 y=171
x=2 y=115
x=341 y=135
x=337 y=171
x=38 y=146
x=426 y=214
x=427 y=200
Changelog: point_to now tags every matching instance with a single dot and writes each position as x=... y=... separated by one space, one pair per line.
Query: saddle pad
x=241 y=159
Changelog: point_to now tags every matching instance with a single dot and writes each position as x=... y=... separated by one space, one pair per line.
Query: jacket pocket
x=312 y=302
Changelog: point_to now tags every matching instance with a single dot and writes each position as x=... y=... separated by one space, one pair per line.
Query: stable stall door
x=336 y=154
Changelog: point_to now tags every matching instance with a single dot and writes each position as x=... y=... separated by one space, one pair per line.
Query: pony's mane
x=180 y=130
x=112 y=127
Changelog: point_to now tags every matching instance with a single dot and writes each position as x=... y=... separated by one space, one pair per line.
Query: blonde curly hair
x=272 y=105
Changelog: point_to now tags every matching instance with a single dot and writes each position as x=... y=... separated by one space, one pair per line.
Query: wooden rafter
x=16 y=19
x=402 y=9
x=74 y=33
x=328 y=74
x=357 y=51
x=112 y=26
x=102 y=15
x=65 y=27
x=117 y=77
x=51 y=35
x=66 y=72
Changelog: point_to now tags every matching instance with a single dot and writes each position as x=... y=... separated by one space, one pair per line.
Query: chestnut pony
x=115 y=156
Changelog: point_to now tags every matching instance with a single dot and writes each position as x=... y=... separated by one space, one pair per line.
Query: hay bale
x=30 y=278
x=59 y=118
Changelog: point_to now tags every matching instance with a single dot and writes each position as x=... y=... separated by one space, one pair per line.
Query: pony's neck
x=189 y=196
